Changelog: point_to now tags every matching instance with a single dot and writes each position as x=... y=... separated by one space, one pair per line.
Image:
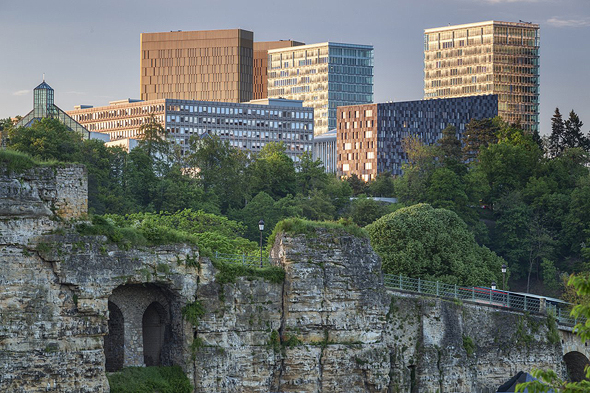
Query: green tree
x=47 y=139
x=479 y=134
x=555 y=143
x=364 y=211
x=222 y=171
x=316 y=205
x=450 y=150
x=310 y=174
x=357 y=185
x=153 y=139
x=382 y=185
x=432 y=244
x=273 y=172
x=264 y=207
x=573 y=136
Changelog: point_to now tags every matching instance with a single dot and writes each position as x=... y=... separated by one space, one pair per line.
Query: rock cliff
x=73 y=307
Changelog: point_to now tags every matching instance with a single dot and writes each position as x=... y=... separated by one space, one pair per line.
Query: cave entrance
x=154 y=328
x=115 y=340
x=575 y=363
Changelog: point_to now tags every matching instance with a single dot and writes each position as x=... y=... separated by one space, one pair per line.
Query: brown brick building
x=209 y=65
x=260 y=85
x=356 y=140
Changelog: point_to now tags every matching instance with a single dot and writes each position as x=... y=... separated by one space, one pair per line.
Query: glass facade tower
x=486 y=58
x=323 y=76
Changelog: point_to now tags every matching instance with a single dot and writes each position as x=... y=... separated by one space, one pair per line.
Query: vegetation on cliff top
x=15 y=161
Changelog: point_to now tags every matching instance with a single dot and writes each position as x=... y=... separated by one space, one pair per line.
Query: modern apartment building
x=370 y=137
x=247 y=126
x=323 y=76
x=486 y=58
x=260 y=85
x=209 y=65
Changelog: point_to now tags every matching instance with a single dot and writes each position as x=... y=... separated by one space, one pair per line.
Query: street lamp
x=261 y=228
x=493 y=285
x=503 y=277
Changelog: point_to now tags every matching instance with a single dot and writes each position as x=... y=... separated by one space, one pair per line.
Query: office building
x=486 y=58
x=44 y=107
x=370 y=137
x=211 y=65
x=260 y=84
x=323 y=76
x=324 y=149
x=247 y=126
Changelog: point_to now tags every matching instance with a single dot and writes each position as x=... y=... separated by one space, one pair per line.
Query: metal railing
x=494 y=297
x=243 y=259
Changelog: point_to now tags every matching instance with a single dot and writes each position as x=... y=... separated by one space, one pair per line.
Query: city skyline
x=95 y=60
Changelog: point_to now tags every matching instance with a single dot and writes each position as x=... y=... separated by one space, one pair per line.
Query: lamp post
x=261 y=228
x=493 y=285
x=503 y=277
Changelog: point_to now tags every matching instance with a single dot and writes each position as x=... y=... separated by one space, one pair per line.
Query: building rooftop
x=320 y=44
x=479 y=24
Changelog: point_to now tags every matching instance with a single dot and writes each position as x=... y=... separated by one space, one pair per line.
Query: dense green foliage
x=228 y=272
x=150 y=380
x=433 y=244
x=527 y=201
x=528 y=204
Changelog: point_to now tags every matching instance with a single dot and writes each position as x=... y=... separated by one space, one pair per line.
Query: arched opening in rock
x=115 y=340
x=575 y=363
x=154 y=329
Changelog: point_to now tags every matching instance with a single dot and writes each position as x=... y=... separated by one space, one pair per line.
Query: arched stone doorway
x=154 y=328
x=575 y=363
x=114 y=342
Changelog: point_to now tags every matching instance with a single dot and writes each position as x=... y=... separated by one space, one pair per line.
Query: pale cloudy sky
x=89 y=50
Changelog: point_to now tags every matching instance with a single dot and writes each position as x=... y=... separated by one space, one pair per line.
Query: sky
x=89 y=50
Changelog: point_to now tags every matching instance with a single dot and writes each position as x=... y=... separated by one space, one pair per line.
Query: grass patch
x=229 y=272
x=193 y=312
x=149 y=380
x=17 y=162
x=299 y=226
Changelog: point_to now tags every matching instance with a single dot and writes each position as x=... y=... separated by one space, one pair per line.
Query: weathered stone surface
x=329 y=327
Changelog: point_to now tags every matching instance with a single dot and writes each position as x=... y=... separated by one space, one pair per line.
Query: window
x=370 y=155
x=368 y=165
x=368 y=134
x=345 y=167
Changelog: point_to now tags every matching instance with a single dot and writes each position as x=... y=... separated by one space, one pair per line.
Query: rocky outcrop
x=73 y=307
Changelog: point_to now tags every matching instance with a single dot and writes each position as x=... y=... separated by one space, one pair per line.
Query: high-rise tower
x=486 y=58
x=209 y=65
x=323 y=76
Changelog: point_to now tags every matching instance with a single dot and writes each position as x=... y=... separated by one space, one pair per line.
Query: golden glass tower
x=486 y=58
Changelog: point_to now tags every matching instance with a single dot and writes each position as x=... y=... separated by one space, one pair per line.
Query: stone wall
x=35 y=201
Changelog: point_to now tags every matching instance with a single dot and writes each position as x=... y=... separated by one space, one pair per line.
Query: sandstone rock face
x=73 y=307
